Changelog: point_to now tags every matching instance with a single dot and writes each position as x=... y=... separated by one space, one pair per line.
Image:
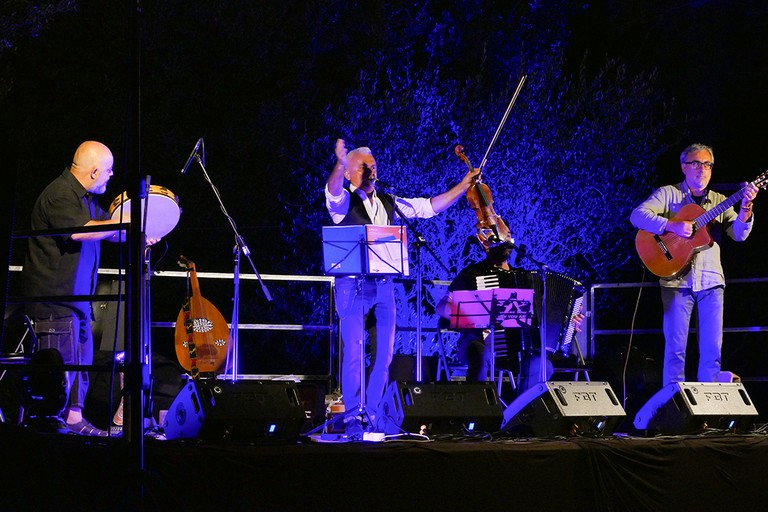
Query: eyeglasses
x=698 y=165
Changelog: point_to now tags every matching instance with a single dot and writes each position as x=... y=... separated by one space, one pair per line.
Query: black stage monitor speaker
x=550 y=409
x=243 y=410
x=440 y=407
x=688 y=407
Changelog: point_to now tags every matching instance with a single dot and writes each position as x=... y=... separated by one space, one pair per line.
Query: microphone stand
x=419 y=243
x=240 y=248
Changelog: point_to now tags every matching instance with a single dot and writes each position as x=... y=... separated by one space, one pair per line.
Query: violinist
x=368 y=304
x=494 y=271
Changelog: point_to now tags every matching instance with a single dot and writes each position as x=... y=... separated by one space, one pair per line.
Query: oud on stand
x=202 y=334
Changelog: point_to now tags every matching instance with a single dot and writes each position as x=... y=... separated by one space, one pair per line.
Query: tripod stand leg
x=442 y=363
x=580 y=359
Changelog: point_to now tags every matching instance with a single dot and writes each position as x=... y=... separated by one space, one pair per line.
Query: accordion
x=565 y=297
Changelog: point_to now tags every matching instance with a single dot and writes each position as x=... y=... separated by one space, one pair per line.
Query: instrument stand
x=489 y=308
x=145 y=349
x=362 y=409
x=147 y=356
x=362 y=412
x=233 y=364
x=240 y=248
x=493 y=314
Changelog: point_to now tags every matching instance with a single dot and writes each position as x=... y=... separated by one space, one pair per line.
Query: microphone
x=383 y=185
x=192 y=155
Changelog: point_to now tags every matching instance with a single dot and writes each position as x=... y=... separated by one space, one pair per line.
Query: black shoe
x=84 y=428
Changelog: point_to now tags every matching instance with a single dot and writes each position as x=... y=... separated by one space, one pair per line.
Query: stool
x=500 y=374
x=18 y=359
x=442 y=361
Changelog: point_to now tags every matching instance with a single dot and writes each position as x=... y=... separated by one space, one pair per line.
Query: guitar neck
x=708 y=216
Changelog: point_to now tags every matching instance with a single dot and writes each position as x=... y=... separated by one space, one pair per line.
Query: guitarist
x=701 y=284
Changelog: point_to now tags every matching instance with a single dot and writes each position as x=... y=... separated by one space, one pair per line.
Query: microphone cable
x=629 y=345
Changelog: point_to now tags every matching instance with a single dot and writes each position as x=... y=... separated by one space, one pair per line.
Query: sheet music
x=472 y=309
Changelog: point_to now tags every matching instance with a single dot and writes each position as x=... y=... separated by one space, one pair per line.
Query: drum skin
x=162 y=211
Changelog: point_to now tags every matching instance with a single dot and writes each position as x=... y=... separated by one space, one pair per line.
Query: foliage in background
x=271 y=85
x=22 y=19
x=574 y=157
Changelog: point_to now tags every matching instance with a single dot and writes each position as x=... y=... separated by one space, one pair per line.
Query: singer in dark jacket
x=368 y=303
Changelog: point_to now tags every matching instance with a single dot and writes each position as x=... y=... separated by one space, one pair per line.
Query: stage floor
x=716 y=471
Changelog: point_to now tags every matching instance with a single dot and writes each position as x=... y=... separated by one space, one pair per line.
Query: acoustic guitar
x=669 y=255
x=202 y=335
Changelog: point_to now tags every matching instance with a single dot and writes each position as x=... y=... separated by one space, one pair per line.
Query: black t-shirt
x=467 y=279
x=492 y=277
x=58 y=265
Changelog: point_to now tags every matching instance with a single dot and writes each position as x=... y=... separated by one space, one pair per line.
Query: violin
x=491 y=228
x=202 y=335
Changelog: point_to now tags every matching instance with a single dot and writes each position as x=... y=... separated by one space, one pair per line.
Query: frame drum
x=163 y=211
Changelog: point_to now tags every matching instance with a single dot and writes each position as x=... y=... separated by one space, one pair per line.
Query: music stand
x=510 y=308
x=366 y=249
x=361 y=251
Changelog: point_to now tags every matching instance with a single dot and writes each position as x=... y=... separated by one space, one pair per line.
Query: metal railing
x=595 y=331
x=164 y=323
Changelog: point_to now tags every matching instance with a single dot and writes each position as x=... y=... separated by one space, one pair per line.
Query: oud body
x=202 y=334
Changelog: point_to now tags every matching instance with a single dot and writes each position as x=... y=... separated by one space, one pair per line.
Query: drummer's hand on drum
x=152 y=241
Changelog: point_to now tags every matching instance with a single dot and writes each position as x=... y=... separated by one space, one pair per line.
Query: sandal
x=84 y=428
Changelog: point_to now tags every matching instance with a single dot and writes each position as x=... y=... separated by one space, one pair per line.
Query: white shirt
x=338 y=206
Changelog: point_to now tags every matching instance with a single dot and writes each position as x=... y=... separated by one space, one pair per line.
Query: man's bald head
x=92 y=166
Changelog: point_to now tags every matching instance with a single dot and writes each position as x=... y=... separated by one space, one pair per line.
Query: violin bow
x=503 y=120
